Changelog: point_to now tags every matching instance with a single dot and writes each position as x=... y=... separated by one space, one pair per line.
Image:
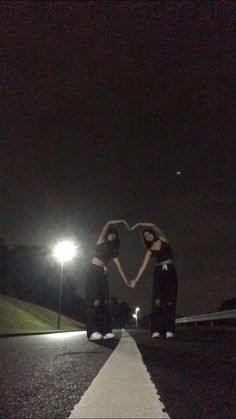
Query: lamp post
x=63 y=252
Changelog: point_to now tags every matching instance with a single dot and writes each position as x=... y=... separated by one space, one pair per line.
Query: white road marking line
x=122 y=388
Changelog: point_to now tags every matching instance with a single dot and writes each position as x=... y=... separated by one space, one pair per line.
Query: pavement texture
x=44 y=376
x=195 y=373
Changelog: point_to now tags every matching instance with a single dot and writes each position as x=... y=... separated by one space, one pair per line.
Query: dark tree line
x=28 y=273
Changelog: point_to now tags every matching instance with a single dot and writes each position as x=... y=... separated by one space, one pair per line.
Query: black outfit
x=98 y=318
x=165 y=286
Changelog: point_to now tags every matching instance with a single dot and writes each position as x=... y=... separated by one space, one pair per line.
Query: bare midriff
x=97 y=262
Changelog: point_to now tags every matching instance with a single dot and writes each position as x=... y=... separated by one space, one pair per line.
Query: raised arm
x=155 y=228
x=120 y=270
x=142 y=268
x=106 y=226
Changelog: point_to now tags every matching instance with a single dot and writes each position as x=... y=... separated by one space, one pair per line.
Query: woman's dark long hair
x=155 y=238
x=113 y=245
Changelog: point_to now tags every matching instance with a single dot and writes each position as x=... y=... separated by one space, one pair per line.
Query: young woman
x=97 y=289
x=165 y=284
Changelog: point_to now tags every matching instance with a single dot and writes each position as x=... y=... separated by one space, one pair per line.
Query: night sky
x=103 y=102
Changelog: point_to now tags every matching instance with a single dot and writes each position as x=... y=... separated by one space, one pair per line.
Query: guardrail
x=209 y=317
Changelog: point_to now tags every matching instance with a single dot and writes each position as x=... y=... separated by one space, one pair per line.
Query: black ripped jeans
x=98 y=317
x=165 y=286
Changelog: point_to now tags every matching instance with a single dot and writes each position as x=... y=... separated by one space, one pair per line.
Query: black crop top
x=104 y=252
x=163 y=254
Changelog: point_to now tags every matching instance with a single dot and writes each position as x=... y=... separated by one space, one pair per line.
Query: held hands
x=131 y=284
x=128 y=283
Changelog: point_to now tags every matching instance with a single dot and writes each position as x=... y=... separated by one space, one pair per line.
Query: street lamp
x=63 y=252
x=136 y=316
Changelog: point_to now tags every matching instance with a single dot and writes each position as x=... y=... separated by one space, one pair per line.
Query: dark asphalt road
x=195 y=373
x=44 y=376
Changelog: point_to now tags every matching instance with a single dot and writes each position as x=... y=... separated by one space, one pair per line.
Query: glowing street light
x=136 y=316
x=64 y=251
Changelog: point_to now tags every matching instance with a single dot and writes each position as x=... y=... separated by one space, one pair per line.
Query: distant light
x=137 y=309
x=179 y=172
x=64 y=251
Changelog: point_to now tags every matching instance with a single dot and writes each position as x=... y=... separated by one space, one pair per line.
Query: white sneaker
x=95 y=336
x=169 y=335
x=109 y=336
x=156 y=335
